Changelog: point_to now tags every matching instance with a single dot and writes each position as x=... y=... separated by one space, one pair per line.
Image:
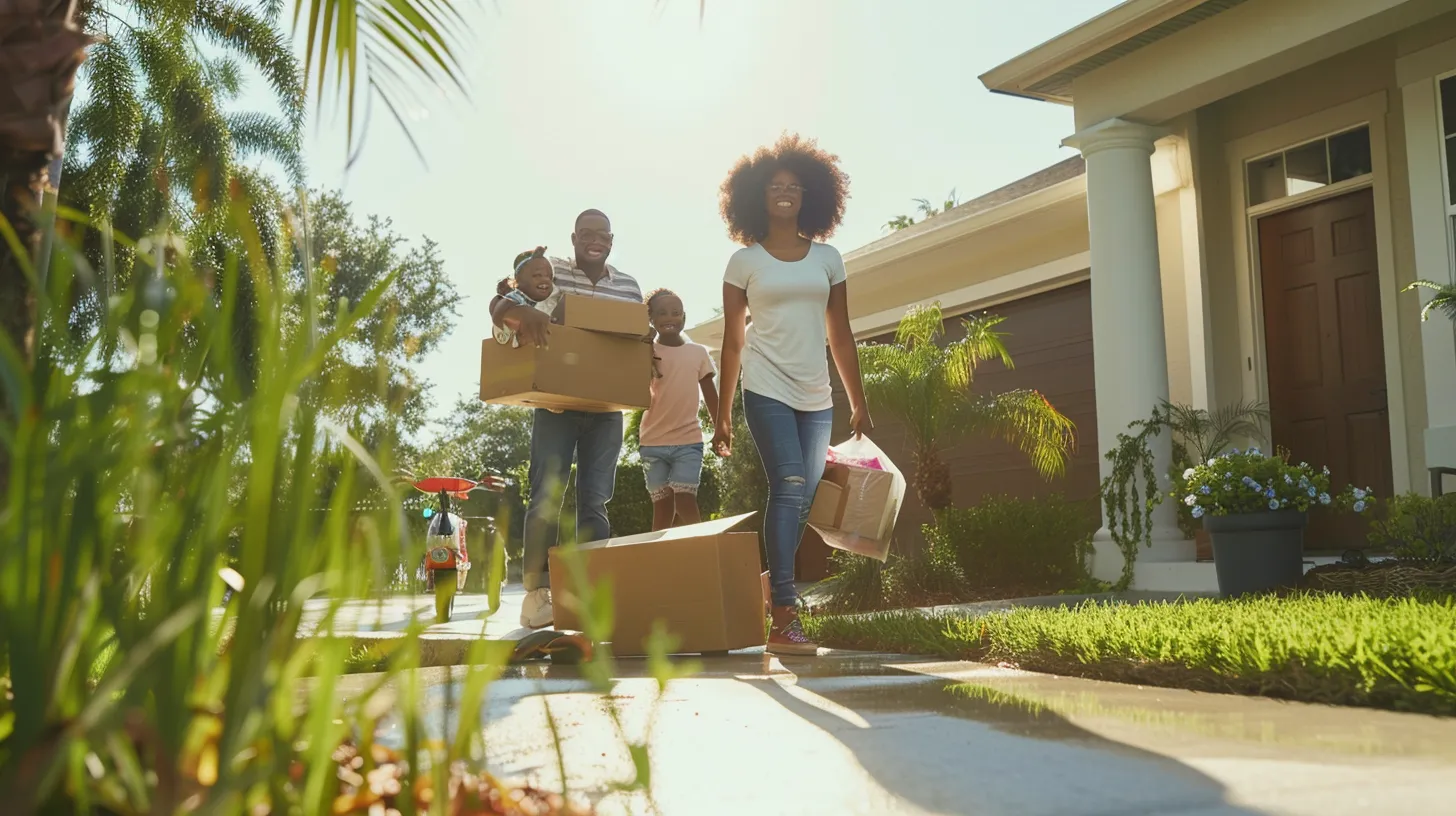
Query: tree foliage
x=927 y=211
x=379 y=363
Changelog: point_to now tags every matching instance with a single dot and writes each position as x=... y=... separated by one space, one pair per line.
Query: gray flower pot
x=1257 y=552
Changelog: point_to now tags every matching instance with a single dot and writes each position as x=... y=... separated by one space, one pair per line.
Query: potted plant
x=1199 y=434
x=1255 y=508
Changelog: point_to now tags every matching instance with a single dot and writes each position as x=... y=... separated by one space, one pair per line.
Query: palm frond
x=258 y=134
x=981 y=343
x=109 y=123
x=1444 y=299
x=1210 y=432
x=922 y=324
x=1023 y=418
x=254 y=35
x=225 y=75
x=401 y=42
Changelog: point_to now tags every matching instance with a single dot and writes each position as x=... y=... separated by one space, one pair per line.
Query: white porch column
x=1128 y=343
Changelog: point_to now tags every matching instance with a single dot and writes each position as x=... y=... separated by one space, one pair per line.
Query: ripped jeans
x=792 y=445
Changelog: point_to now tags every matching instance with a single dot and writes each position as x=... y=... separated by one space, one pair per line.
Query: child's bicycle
x=446 y=561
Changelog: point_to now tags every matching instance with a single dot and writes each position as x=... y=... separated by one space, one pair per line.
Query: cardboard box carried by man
x=702 y=582
x=596 y=361
x=858 y=501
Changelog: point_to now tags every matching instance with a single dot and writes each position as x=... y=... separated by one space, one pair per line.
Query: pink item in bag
x=868 y=463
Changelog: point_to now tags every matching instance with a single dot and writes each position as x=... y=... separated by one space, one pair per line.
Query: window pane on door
x=1266 y=180
x=1350 y=154
x=1448 y=106
x=1306 y=167
x=1451 y=170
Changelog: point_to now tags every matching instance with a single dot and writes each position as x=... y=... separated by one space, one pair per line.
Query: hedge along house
x=1263 y=179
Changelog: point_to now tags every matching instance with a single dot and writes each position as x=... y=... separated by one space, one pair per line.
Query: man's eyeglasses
x=780 y=189
x=587 y=235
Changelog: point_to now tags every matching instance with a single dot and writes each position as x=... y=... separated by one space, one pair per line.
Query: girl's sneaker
x=788 y=638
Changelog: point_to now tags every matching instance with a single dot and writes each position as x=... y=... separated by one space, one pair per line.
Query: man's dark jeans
x=595 y=441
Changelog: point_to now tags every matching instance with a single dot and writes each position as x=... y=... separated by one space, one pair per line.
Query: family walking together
x=781 y=202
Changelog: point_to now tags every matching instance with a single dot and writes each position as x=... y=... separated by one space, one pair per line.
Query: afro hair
x=741 y=198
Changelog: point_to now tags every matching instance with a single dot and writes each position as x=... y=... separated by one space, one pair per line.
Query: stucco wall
x=1351 y=76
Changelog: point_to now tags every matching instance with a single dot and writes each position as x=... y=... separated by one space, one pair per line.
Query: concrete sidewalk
x=874 y=734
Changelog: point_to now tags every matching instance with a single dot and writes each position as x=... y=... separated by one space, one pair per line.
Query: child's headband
x=540 y=253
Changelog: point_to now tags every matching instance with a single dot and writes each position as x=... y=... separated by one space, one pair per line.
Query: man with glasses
x=593 y=439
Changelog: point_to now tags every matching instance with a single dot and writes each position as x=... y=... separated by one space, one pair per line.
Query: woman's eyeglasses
x=780 y=189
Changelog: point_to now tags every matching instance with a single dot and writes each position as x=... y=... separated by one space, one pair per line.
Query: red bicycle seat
x=456 y=486
x=449 y=484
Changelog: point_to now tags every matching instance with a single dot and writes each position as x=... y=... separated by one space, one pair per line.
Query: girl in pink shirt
x=671 y=444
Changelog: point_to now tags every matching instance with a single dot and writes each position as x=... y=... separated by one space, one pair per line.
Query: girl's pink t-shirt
x=673 y=417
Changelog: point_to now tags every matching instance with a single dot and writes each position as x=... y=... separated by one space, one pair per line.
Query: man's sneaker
x=536 y=610
x=790 y=640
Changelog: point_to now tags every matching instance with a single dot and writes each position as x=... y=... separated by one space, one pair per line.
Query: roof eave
x=1019 y=74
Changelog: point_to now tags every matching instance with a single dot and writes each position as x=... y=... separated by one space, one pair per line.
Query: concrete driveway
x=882 y=734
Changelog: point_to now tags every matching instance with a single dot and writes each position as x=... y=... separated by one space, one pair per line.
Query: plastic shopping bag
x=858 y=500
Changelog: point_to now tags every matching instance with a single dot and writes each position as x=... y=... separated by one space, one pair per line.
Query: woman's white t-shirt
x=784 y=356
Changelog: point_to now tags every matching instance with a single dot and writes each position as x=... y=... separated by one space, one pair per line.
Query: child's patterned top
x=505 y=335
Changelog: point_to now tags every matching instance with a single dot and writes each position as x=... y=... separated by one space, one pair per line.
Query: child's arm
x=710 y=396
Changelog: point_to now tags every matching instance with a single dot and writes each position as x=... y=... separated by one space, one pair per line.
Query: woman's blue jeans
x=792 y=445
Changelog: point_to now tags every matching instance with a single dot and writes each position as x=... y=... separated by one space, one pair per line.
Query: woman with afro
x=780 y=203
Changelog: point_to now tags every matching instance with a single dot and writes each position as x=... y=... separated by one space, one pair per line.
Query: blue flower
x=1248 y=481
x=1229 y=475
x=1360 y=494
x=1198 y=512
x=1254 y=452
x=1235 y=452
x=1359 y=507
x=1324 y=498
x=1312 y=492
x=1205 y=490
x=1289 y=480
x=1273 y=504
x=1269 y=494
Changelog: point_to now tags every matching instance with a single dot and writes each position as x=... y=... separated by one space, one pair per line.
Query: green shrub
x=1005 y=541
x=855 y=584
x=1417 y=527
x=925 y=577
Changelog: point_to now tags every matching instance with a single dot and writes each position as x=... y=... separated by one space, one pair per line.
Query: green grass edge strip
x=1397 y=654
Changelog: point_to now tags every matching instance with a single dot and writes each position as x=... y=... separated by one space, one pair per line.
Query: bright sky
x=632 y=107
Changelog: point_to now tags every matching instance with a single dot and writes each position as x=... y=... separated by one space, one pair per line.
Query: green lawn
x=1398 y=654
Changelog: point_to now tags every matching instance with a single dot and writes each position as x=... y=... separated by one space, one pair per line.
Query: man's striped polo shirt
x=615 y=286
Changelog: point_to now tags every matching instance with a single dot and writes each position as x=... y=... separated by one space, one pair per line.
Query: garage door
x=1050 y=339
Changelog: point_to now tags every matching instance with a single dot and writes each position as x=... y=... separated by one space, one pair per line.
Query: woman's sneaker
x=536 y=609
x=789 y=639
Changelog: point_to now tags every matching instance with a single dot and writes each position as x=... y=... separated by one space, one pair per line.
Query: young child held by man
x=532 y=283
x=672 y=439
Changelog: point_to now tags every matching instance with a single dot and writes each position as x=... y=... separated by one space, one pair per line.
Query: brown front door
x=1325 y=349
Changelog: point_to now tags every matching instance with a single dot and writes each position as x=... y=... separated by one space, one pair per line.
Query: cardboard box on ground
x=855 y=508
x=703 y=581
x=596 y=361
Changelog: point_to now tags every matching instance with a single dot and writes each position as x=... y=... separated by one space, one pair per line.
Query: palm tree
x=926 y=210
x=355 y=51
x=928 y=386
x=1443 y=301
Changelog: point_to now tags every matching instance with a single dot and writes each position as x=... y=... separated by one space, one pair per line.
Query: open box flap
x=700 y=530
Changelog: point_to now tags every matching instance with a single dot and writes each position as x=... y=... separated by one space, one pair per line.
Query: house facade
x=1259 y=181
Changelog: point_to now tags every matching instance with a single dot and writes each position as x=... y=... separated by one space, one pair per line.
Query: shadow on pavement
x=963 y=748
